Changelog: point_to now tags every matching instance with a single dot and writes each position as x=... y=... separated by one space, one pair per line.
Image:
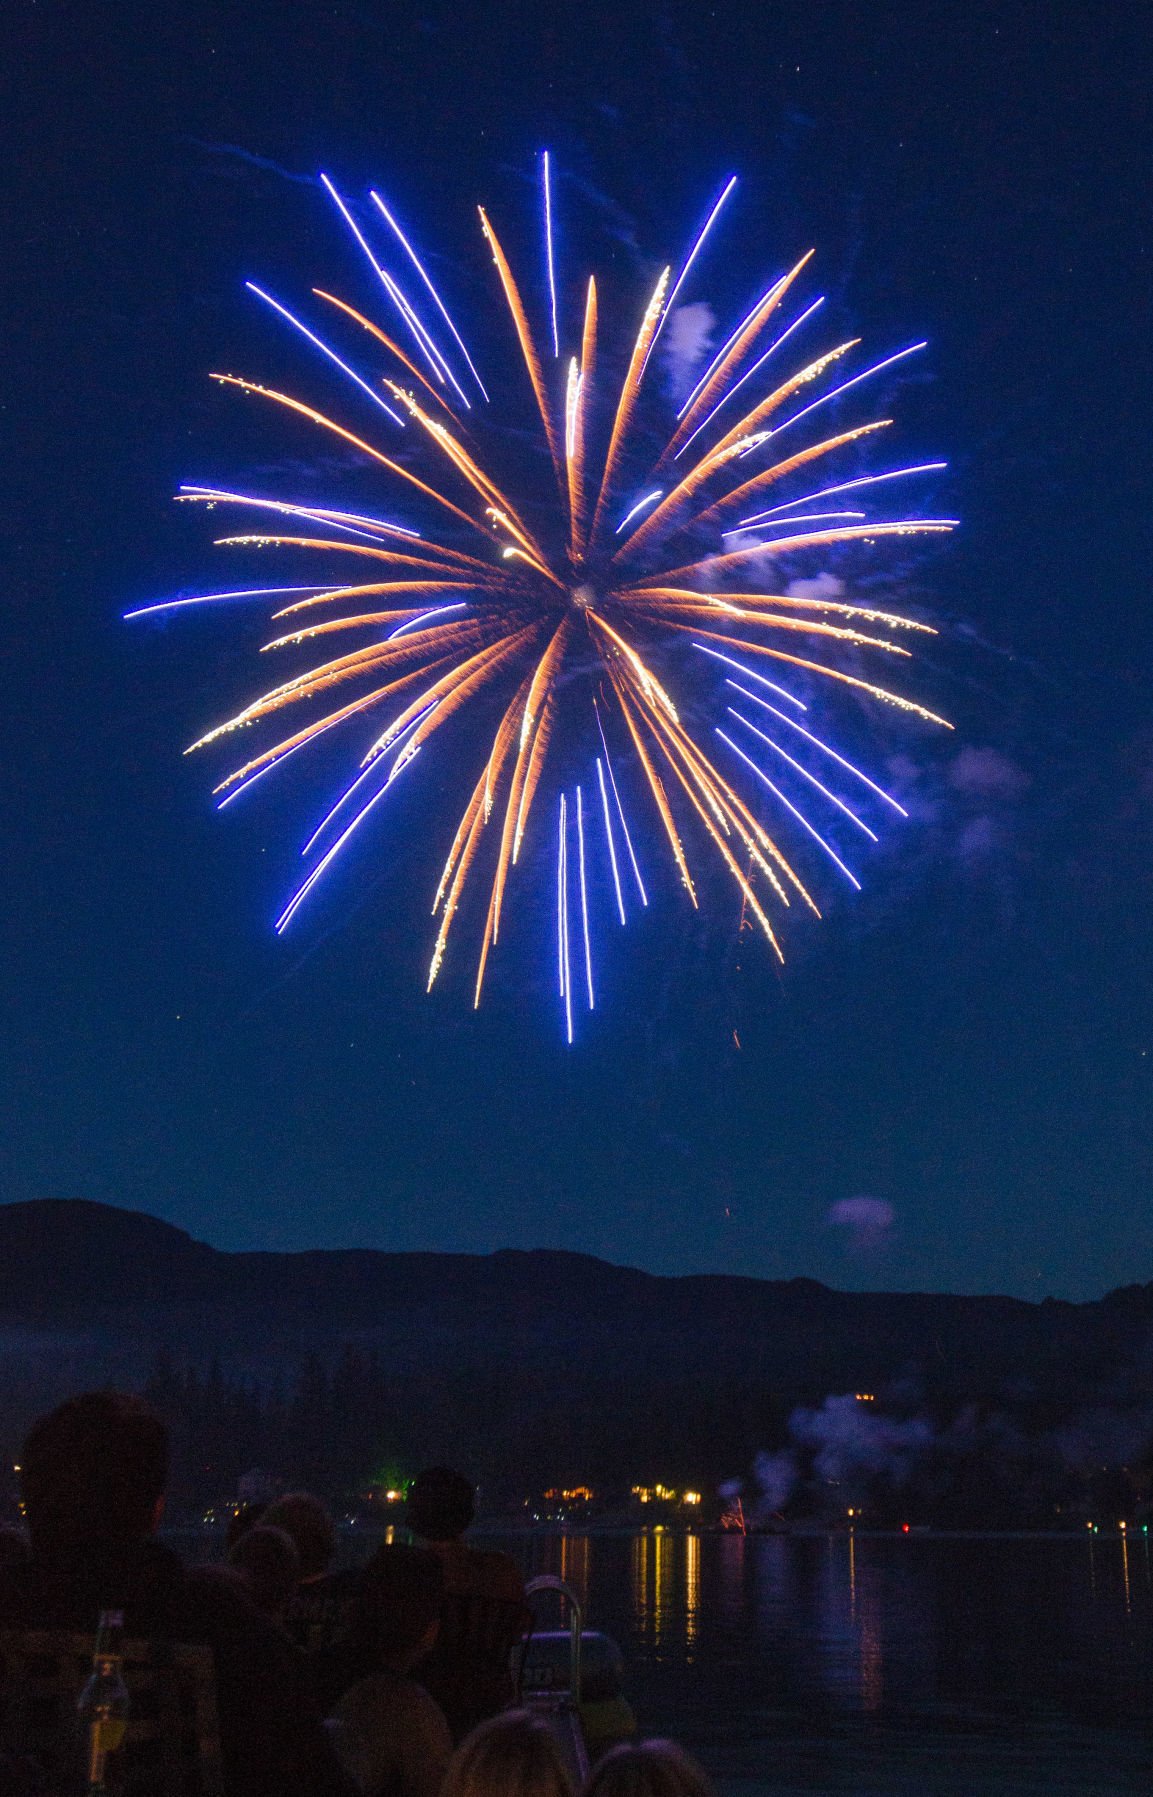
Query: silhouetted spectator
x=14 y=1549
x=93 y=1476
x=20 y=1776
x=483 y=1614
x=320 y=1610
x=390 y=1734
x=648 y=1769
x=513 y=1755
x=243 y=1518
x=441 y=1506
x=267 y=1559
x=307 y=1520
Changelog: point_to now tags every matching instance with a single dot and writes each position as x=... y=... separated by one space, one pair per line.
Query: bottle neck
x=109 y=1637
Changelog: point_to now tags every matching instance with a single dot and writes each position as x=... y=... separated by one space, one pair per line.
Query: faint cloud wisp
x=868 y=1222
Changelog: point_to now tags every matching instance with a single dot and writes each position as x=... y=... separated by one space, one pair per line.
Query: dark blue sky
x=972 y=1042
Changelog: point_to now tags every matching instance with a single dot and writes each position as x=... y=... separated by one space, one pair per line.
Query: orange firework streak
x=626 y=406
x=527 y=345
x=392 y=348
x=585 y=388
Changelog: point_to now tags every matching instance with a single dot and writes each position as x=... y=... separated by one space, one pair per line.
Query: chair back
x=172 y=1744
x=320 y=1613
x=481 y=1628
x=469 y=1669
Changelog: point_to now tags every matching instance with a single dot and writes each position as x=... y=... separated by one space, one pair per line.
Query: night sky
x=971 y=1042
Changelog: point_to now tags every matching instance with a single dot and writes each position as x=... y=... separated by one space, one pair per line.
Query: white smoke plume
x=776 y=1476
x=852 y=1443
x=687 y=340
x=846 y=1443
x=821 y=586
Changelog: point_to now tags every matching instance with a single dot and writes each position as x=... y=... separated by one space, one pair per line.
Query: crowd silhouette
x=275 y=1673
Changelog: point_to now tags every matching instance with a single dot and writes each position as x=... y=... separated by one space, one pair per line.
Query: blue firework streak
x=471 y=606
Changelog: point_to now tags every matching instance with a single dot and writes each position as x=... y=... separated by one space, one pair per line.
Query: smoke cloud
x=868 y=1221
x=983 y=1467
x=821 y=586
x=987 y=774
x=845 y=1443
x=776 y=1476
x=687 y=340
x=852 y=1444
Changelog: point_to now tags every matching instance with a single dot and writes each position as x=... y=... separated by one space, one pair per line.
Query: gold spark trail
x=527 y=344
x=626 y=405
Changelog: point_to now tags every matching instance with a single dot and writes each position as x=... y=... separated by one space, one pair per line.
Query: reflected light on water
x=775 y=1574
x=662 y=1586
x=872 y=1650
x=574 y=1564
x=692 y=1588
x=640 y=1570
x=666 y=1587
x=732 y=1578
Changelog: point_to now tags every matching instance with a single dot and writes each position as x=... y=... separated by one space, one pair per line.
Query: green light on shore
x=390 y=1482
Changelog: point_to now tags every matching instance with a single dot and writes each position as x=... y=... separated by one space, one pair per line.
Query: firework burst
x=490 y=603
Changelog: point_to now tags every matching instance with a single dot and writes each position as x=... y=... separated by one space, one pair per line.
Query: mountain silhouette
x=545 y=1368
x=127 y=1277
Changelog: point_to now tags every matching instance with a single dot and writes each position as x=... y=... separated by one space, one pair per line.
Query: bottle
x=102 y=1709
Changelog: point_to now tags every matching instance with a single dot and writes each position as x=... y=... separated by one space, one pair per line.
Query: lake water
x=874 y=1664
x=880 y=1664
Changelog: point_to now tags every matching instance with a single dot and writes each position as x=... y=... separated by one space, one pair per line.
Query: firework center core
x=583 y=597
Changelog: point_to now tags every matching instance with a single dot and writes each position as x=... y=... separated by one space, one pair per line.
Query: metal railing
x=548 y=1581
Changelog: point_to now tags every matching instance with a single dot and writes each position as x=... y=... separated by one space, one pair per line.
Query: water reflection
x=933 y=1665
x=692 y=1588
x=665 y=1587
x=871 y=1647
x=977 y=1660
x=731 y=1549
x=662 y=1586
x=773 y=1581
x=574 y=1564
x=640 y=1581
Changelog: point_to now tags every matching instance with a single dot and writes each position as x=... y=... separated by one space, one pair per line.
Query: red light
x=904 y=1528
